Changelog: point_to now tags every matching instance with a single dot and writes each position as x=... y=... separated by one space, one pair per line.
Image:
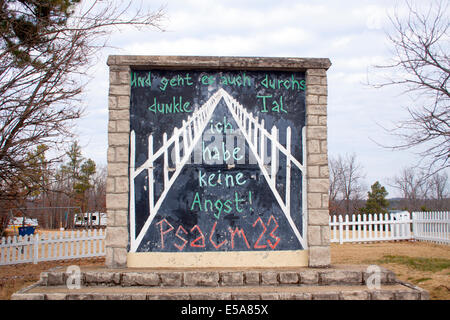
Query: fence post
x=341 y=231
x=347 y=227
x=36 y=249
x=364 y=226
x=370 y=227
x=2 y=250
x=409 y=226
x=333 y=226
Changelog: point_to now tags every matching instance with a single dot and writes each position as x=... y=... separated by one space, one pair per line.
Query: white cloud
x=373 y=15
x=223 y=44
x=341 y=42
x=350 y=33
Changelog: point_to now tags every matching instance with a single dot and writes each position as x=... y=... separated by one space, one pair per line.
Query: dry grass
x=424 y=264
x=15 y=277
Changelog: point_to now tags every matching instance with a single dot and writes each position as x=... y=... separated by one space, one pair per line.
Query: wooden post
x=341 y=232
x=364 y=218
x=36 y=249
x=333 y=226
x=359 y=226
x=347 y=227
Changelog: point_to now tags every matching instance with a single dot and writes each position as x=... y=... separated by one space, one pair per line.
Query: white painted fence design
x=256 y=134
x=52 y=246
x=426 y=226
x=190 y=133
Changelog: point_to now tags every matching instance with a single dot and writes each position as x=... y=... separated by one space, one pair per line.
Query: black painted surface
x=250 y=218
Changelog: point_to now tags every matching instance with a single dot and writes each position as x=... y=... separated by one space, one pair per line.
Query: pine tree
x=84 y=182
x=28 y=26
x=46 y=49
x=37 y=172
x=79 y=173
x=376 y=200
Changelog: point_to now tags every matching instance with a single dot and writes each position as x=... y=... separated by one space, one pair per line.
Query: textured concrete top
x=217 y=62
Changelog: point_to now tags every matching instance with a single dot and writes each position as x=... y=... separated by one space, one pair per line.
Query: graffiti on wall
x=217 y=161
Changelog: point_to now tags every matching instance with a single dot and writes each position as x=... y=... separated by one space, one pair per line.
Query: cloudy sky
x=351 y=33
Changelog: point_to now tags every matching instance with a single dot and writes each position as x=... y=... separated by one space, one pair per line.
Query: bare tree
x=97 y=195
x=334 y=183
x=413 y=186
x=439 y=192
x=421 y=191
x=420 y=44
x=46 y=48
x=346 y=185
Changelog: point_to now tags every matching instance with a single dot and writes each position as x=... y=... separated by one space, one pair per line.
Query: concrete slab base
x=341 y=282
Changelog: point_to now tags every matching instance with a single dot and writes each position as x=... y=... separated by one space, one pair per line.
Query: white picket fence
x=432 y=226
x=52 y=246
x=424 y=226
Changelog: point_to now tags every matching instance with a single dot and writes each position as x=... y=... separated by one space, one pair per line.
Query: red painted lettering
x=273 y=246
x=217 y=246
x=201 y=237
x=180 y=248
x=240 y=233
x=257 y=245
x=165 y=231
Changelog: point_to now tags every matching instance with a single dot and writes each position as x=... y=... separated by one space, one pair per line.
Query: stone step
x=386 y=292
x=339 y=282
x=337 y=275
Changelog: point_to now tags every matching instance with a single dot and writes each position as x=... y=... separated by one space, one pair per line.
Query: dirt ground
x=406 y=259
x=15 y=277
x=396 y=256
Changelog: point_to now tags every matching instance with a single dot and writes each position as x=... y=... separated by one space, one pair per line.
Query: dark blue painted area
x=256 y=224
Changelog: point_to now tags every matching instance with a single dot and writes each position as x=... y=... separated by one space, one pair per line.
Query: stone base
x=235 y=259
x=337 y=283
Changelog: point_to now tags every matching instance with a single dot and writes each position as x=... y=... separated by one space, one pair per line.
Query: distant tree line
x=72 y=185
x=419 y=190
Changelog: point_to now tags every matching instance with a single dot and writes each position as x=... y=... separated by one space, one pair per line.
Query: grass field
x=424 y=264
